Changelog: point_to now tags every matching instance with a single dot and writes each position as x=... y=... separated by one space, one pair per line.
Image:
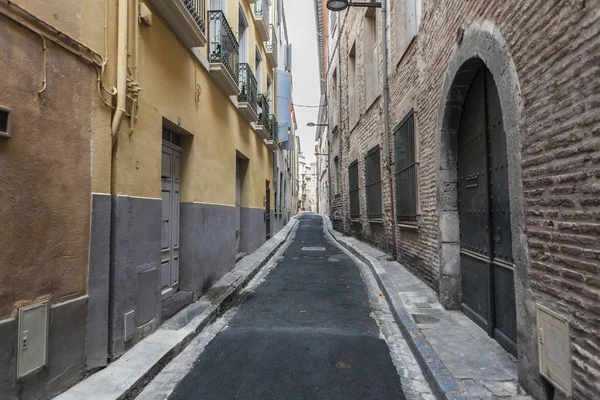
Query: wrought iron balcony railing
x=197 y=9
x=261 y=9
x=248 y=90
x=274 y=127
x=263 y=112
x=223 y=47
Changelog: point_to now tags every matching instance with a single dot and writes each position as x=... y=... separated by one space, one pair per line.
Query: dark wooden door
x=268 y=211
x=484 y=211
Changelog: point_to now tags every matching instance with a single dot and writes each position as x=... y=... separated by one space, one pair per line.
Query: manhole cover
x=342 y=365
x=313 y=248
x=425 y=319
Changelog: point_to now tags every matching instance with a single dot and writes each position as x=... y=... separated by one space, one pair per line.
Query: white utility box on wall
x=554 y=348
x=32 y=352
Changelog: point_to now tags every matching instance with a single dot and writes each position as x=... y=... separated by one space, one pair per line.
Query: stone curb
x=442 y=383
x=104 y=385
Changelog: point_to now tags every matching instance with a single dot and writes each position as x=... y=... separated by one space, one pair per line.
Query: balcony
x=186 y=18
x=271 y=47
x=263 y=126
x=274 y=132
x=247 y=99
x=223 y=53
x=261 y=19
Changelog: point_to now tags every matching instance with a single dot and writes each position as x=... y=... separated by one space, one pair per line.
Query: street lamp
x=340 y=5
x=311 y=124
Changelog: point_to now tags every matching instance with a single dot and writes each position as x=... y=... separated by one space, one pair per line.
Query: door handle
x=166 y=220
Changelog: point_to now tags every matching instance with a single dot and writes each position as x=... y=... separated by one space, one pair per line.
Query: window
x=354 y=190
x=352 y=88
x=406 y=170
x=373 y=182
x=258 y=68
x=5 y=122
x=335 y=98
x=269 y=94
x=407 y=18
x=371 y=58
x=243 y=36
x=336 y=177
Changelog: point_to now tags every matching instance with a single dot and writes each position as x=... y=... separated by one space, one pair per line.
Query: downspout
x=386 y=120
x=135 y=68
x=121 y=69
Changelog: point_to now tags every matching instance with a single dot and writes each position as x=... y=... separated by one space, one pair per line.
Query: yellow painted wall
x=85 y=23
x=169 y=74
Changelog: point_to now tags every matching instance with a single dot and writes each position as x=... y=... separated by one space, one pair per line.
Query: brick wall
x=555 y=46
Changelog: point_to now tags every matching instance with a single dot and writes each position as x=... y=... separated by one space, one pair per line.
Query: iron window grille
x=272 y=43
x=263 y=113
x=247 y=83
x=354 y=190
x=223 y=47
x=406 y=170
x=274 y=127
x=373 y=182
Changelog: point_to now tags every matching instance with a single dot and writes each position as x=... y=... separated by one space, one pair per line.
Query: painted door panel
x=171 y=196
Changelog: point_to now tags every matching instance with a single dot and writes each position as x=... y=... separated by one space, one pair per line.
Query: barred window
x=354 y=191
x=373 y=182
x=406 y=170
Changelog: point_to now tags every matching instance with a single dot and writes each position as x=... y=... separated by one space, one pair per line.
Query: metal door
x=238 y=195
x=484 y=212
x=171 y=190
x=268 y=211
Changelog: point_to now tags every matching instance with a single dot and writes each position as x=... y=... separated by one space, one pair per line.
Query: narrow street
x=304 y=331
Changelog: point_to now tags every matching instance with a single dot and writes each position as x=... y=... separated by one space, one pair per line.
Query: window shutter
x=411 y=20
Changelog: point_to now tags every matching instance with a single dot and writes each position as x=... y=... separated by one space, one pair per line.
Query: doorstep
x=127 y=376
x=459 y=359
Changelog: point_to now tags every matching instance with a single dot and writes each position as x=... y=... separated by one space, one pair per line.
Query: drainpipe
x=121 y=69
x=135 y=32
x=386 y=120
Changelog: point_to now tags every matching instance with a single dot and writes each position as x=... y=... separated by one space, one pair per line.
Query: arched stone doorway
x=484 y=51
x=486 y=263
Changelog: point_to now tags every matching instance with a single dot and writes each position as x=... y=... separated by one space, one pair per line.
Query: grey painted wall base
x=253 y=229
x=207 y=240
x=98 y=282
x=66 y=354
x=135 y=258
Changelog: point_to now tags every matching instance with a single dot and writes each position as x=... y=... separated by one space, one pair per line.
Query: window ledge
x=354 y=219
x=354 y=124
x=370 y=105
x=375 y=220
x=407 y=226
x=401 y=56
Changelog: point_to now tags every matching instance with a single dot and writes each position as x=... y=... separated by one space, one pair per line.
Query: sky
x=300 y=16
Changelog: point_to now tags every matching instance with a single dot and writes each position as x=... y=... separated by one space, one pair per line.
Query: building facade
x=486 y=186
x=143 y=158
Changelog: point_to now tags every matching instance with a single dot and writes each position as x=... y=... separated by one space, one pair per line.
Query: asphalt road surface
x=303 y=333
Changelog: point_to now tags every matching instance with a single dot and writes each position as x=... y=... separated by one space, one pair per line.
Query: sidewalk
x=459 y=360
x=126 y=377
